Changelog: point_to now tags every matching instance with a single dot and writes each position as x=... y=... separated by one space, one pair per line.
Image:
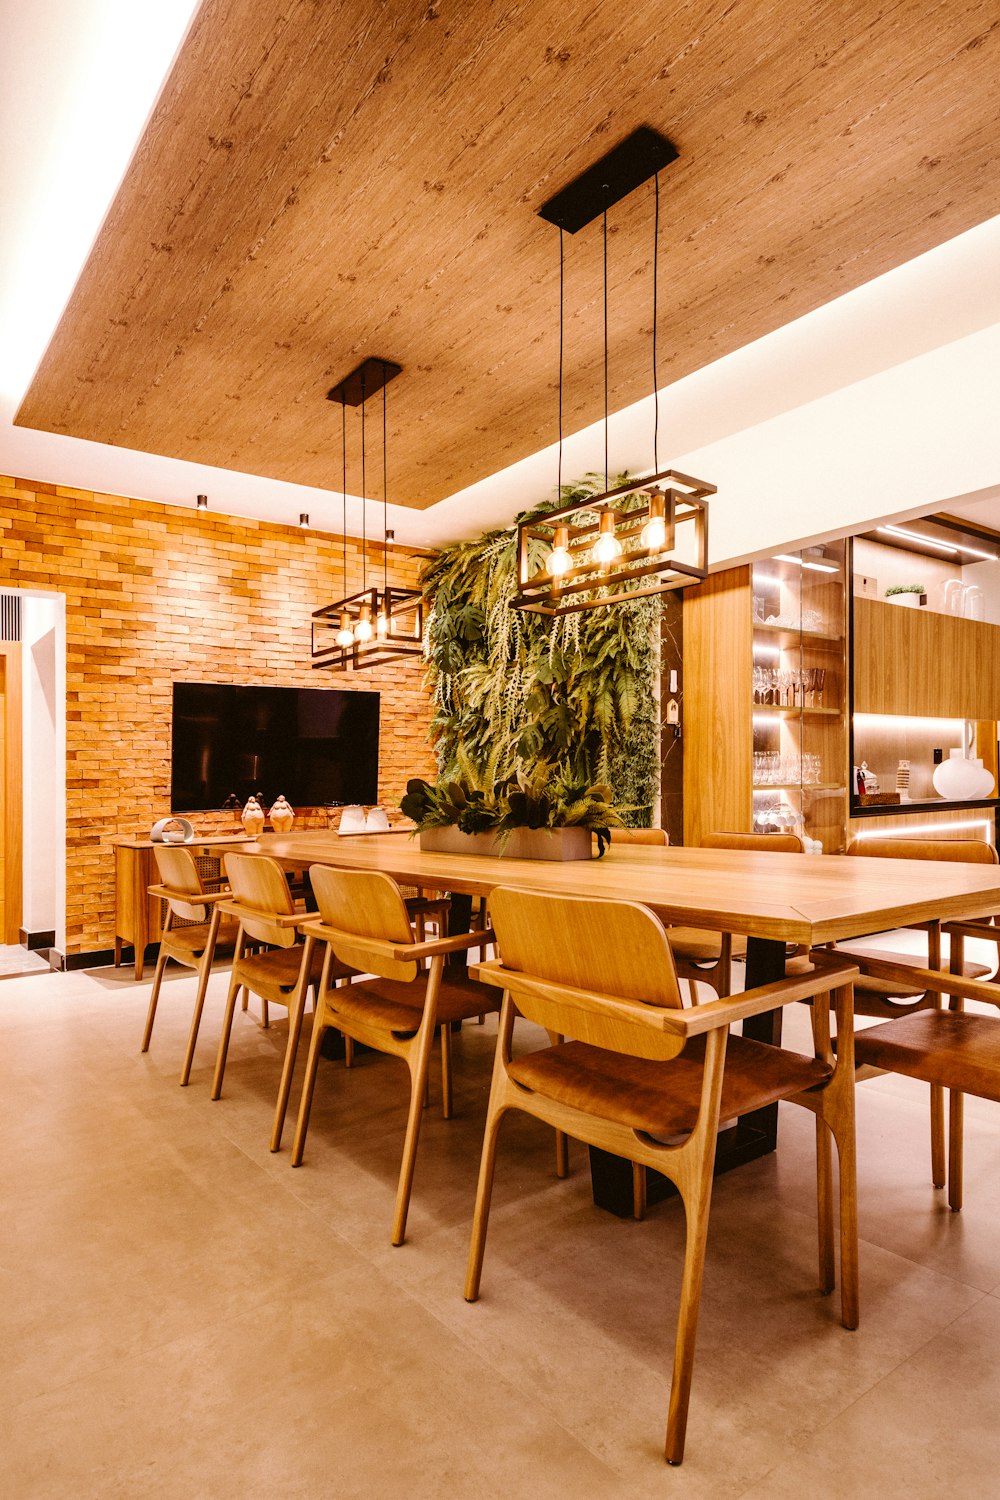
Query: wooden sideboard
x=139 y=916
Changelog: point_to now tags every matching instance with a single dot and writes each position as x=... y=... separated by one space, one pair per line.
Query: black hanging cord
x=605 y=349
x=385 y=501
x=364 y=493
x=343 y=436
x=656 y=389
x=562 y=334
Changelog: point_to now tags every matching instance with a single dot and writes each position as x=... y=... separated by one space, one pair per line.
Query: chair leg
x=956 y=1133
x=847 y=1168
x=320 y=1028
x=227 y=1026
x=348 y=1052
x=445 y=1031
x=824 y=1204
x=161 y=964
x=562 y=1146
x=265 y=1014
x=938 y=1174
x=495 y=1111
x=246 y=999
x=204 y=973
x=638 y=1191
x=296 y=1010
x=418 y=1084
x=696 y=1207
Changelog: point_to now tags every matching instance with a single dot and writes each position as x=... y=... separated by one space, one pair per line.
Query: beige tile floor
x=184 y=1315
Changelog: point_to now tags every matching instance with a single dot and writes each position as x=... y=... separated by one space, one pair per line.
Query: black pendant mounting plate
x=626 y=166
x=362 y=383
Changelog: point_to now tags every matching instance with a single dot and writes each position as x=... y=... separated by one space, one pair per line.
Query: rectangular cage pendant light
x=641 y=539
x=394 y=617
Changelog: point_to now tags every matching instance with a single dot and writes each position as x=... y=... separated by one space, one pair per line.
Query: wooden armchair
x=642 y=1070
x=875 y=995
x=262 y=904
x=365 y=925
x=948 y=1048
x=206 y=935
x=708 y=956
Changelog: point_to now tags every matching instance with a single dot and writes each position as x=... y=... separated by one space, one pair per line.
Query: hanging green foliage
x=513 y=689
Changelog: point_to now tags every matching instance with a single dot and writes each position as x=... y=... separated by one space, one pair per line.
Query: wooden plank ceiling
x=323 y=182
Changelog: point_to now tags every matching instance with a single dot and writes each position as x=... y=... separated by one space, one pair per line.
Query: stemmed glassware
x=789 y=687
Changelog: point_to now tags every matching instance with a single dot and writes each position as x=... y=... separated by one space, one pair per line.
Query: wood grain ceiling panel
x=322 y=182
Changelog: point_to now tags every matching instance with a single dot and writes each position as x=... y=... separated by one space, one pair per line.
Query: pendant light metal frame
x=403 y=608
x=581 y=582
x=587 y=584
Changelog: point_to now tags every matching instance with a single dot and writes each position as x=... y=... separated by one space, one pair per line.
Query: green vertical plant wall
x=514 y=689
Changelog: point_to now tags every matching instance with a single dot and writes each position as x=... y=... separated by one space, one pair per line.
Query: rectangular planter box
x=523 y=843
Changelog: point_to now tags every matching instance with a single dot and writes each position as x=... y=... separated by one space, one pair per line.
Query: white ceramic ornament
x=282 y=815
x=252 y=817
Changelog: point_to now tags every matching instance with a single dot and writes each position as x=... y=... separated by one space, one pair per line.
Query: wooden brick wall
x=156 y=593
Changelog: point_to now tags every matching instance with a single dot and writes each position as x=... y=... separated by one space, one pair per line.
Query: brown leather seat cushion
x=394 y=1005
x=280 y=966
x=188 y=943
x=956 y=1049
x=663 y=1097
x=699 y=945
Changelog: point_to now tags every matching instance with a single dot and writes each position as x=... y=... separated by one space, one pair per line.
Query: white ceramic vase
x=962 y=779
x=352 y=820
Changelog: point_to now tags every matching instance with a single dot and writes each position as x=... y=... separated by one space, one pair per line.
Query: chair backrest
x=962 y=851
x=639 y=836
x=261 y=891
x=567 y=960
x=178 y=870
x=771 y=843
x=364 y=904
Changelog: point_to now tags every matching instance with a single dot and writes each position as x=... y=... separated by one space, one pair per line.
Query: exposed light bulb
x=345 y=635
x=607 y=547
x=381 y=625
x=658 y=532
x=559 y=561
x=363 y=629
x=654 y=533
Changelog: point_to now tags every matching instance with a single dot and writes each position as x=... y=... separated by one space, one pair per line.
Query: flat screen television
x=317 y=746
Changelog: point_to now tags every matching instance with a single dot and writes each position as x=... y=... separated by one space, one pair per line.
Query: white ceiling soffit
x=853 y=413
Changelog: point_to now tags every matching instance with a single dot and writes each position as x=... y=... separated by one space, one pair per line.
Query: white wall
x=43 y=638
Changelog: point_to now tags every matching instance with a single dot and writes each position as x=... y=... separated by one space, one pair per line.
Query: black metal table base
x=752 y=1136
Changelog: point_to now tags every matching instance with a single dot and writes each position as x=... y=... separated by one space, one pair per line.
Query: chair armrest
x=982 y=929
x=208 y=898
x=685 y=1023
x=699 y=1018
x=400 y=952
x=286 y=919
x=935 y=980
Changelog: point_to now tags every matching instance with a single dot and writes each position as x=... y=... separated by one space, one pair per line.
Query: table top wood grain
x=798 y=898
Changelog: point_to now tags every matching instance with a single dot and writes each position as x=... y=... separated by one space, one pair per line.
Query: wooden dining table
x=772 y=899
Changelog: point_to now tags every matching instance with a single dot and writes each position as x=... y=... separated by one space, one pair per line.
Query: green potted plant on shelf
x=912 y=595
x=536 y=815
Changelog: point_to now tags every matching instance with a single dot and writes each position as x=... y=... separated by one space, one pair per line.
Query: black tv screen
x=315 y=746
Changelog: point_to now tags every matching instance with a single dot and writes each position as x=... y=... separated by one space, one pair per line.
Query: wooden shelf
x=795 y=708
x=799 y=786
x=904 y=809
x=794 y=634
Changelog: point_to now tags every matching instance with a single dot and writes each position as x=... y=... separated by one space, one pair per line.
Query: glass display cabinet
x=798 y=692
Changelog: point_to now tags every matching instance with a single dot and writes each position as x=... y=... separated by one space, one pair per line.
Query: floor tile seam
x=810 y=1439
